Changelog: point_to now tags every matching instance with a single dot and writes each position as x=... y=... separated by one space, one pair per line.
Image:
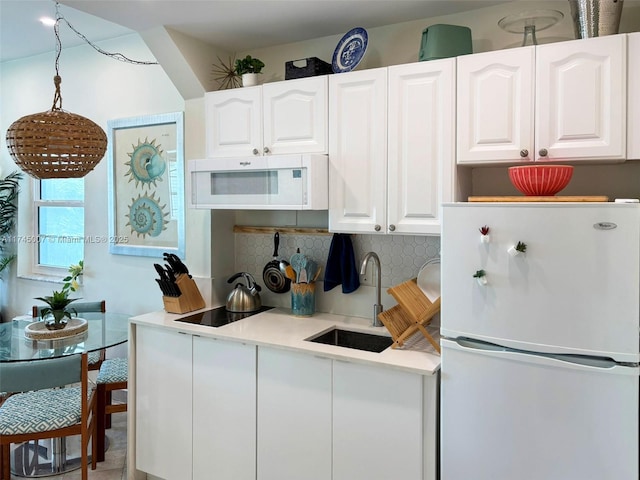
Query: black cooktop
x=219 y=316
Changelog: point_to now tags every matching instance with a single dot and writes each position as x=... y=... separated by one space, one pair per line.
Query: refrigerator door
x=507 y=415
x=574 y=290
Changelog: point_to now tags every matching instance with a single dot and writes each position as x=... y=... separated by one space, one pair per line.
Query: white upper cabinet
x=295 y=116
x=234 y=122
x=633 y=122
x=391 y=148
x=554 y=102
x=495 y=96
x=421 y=135
x=358 y=151
x=580 y=99
x=275 y=118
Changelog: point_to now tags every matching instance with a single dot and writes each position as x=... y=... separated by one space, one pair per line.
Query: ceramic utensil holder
x=303 y=299
x=189 y=300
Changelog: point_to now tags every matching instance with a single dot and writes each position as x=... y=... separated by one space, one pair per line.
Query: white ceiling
x=235 y=25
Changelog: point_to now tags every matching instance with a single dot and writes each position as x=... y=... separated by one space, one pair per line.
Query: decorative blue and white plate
x=350 y=50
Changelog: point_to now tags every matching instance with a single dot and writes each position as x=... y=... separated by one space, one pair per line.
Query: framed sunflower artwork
x=146 y=185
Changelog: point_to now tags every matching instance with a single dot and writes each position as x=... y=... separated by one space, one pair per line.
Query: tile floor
x=114 y=467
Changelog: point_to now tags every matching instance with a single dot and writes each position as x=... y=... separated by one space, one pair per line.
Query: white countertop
x=280 y=329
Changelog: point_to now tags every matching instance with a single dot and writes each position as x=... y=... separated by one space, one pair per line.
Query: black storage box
x=306 y=67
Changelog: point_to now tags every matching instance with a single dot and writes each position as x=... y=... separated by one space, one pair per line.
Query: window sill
x=39 y=277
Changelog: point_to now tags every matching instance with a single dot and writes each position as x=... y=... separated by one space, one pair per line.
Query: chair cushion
x=93 y=357
x=113 y=370
x=40 y=411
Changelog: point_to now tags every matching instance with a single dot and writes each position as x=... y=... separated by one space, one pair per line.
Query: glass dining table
x=105 y=330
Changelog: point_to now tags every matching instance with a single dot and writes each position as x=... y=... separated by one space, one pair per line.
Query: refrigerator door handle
x=575 y=362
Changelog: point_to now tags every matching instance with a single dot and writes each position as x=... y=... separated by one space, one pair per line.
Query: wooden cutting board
x=563 y=198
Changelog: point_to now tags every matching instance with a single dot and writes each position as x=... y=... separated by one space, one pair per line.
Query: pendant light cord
x=116 y=56
x=57 y=80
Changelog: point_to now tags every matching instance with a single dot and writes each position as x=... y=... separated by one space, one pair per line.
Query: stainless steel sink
x=350 y=339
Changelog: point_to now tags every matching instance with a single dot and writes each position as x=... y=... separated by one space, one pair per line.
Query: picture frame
x=146 y=185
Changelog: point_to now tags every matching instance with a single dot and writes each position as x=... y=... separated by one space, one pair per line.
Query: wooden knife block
x=189 y=300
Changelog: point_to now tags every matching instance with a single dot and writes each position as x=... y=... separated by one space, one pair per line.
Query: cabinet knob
x=265 y=149
x=377 y=228
x=524 y=153
x=256 y=151
x=392 y=228
x=543 y=152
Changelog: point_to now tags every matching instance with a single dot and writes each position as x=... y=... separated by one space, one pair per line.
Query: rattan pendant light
x=56 y=144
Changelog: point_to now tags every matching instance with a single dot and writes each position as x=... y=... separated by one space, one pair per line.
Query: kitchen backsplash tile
x=400 y=256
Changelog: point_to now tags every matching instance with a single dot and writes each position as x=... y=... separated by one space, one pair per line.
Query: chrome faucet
x=377 y=308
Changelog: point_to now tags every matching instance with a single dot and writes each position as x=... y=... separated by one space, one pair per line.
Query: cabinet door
x=234 y=122
x=421 y=145
x=495 y=104
x=377 y=423
x=358 y=151
x=633 y=119
x=295 y=116
x=294 y=416
x=224 y=410
x=163 y=403
x=580 y=99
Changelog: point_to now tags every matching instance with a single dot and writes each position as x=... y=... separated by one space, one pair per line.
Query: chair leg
x=5 y=462
x=108 y=401
x=84 y=461
x=101 y=406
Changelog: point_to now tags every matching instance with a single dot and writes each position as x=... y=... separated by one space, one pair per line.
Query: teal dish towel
x=341 y=265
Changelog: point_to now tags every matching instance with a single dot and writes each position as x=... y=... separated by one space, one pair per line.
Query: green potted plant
x=249 y=68
x=9 y=189
x=72 y=281
x=58 y=313
x=517 y=249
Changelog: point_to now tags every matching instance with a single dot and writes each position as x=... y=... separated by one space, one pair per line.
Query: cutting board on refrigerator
x=555 y=198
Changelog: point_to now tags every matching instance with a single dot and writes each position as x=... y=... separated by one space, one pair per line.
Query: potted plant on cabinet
x=58 y=313
x=249 y=68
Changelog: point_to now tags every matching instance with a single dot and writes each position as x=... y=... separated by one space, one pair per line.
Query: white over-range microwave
x=273 y=182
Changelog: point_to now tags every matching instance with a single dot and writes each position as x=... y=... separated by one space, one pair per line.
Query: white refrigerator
x=540 y=348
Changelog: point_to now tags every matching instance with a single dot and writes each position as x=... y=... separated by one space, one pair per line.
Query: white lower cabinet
x=224 y=410
x=195 y=407
x=377 y=423
x=323 y=419
x=163 y=399
x=215 y=409
x=294 y=416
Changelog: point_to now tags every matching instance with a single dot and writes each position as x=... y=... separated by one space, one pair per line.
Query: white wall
x=400 y=43
x=99 y=88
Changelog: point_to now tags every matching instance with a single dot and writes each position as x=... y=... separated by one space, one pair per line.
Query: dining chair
x=53 y=398
x=113 y=375
x=95 y=358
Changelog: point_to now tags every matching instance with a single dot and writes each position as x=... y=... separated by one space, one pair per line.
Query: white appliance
x=273 y=182
x=540 y=355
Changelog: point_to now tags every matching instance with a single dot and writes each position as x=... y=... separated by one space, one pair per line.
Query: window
x=58 y=222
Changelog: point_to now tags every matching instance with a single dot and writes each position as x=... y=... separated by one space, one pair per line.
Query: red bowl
x=540 y=180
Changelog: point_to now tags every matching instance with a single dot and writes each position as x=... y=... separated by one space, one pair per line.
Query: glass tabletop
x=105 y=330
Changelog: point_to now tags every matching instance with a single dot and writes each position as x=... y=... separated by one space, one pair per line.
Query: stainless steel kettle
x=244 y=298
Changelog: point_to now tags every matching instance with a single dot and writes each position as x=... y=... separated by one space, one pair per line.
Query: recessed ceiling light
x=48 y=21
